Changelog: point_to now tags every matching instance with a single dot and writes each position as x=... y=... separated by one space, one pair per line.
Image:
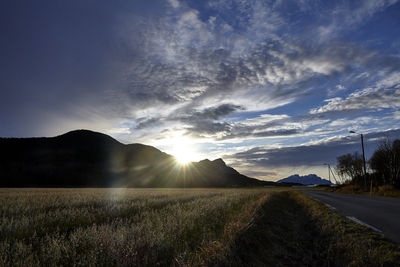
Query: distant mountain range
x=85 y=158
x=310 y=179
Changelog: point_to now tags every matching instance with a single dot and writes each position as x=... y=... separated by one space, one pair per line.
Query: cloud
x=364 y=11
x=221 y=71
x=219 y=124
x=385 y=94
x=214 y=113
x=346 y=16
x=312 y=154
x=351 y=122
x=174 y=3
x=193 y=61
x=265 y=174
x=267 y=78
x=205 y=121
x=143 y=123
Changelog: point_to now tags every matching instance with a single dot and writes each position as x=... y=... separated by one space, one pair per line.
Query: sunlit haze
x=182 y=149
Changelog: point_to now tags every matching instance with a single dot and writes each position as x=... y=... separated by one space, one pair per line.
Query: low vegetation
x=383 y=190
x=192 y=227
x=345 y=242
x=293 y=230
x=127 y=227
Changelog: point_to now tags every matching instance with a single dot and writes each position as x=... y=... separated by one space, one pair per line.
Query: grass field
x=191 y=227
x=120 y=226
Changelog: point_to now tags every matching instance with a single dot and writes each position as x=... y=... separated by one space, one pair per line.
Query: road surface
x=379 y=213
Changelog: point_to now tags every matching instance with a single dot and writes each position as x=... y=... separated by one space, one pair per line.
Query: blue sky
x=272 y=87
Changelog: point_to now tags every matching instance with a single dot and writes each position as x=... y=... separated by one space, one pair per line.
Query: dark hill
x=86 y=158
x=310 y=179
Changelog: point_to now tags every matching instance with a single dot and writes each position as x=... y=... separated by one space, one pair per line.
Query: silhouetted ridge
x=219 y=162
x=310 y=179
x=87 y=158
x=88 y=137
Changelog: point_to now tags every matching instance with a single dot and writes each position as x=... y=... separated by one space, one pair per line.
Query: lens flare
x=183 y=151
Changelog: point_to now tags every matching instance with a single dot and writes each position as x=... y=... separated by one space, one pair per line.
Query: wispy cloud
x=225 y=72
x=385 y=94
x=313 y=154
x=348 y=15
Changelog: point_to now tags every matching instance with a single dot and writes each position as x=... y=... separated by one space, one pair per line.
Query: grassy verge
x=383 y=191
x=293 y=230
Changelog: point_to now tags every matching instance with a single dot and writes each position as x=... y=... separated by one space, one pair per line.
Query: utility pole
x=365 y=168
x=363 y=155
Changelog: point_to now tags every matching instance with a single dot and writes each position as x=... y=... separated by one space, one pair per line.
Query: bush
x=388 y=191
x=348 y=189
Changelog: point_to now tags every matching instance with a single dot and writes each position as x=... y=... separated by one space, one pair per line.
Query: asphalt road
x=379 y=213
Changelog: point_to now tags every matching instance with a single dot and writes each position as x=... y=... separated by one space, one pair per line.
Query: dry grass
x=192 y=227
x=348 y=243
x=122 y=227
x=383 y=191
x=304 y=232
x=386 y=191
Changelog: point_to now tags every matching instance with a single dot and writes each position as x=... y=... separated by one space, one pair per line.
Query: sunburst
x=183 y=151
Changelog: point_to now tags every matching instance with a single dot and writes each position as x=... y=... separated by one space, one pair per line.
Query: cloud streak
x=225 y=72
x=311 y=154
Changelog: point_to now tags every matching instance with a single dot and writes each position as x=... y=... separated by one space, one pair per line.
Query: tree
x=350 y=168
x=385 y=162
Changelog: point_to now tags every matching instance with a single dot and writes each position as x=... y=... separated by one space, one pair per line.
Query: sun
x=183 y=151
x=182 y=158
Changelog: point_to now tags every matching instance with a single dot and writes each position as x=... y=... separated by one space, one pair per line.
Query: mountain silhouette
x=311 y=179
x=84 y=158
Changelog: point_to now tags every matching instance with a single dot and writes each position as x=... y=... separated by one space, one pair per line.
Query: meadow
x=180 y=227
x=128 y=227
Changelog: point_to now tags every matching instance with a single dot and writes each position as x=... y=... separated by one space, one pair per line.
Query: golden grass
x=121 y=227
x=181 y=227
x=383 y=191
x=291 y=229
x=348 y=243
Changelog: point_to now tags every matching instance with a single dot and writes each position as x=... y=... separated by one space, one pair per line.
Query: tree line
x=383 y=168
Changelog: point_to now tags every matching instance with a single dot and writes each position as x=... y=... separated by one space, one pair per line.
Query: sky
x=272 y=87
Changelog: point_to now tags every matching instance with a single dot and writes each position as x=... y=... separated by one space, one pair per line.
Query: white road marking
x=329 y=206
x=354 y=219
x=311 y=197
